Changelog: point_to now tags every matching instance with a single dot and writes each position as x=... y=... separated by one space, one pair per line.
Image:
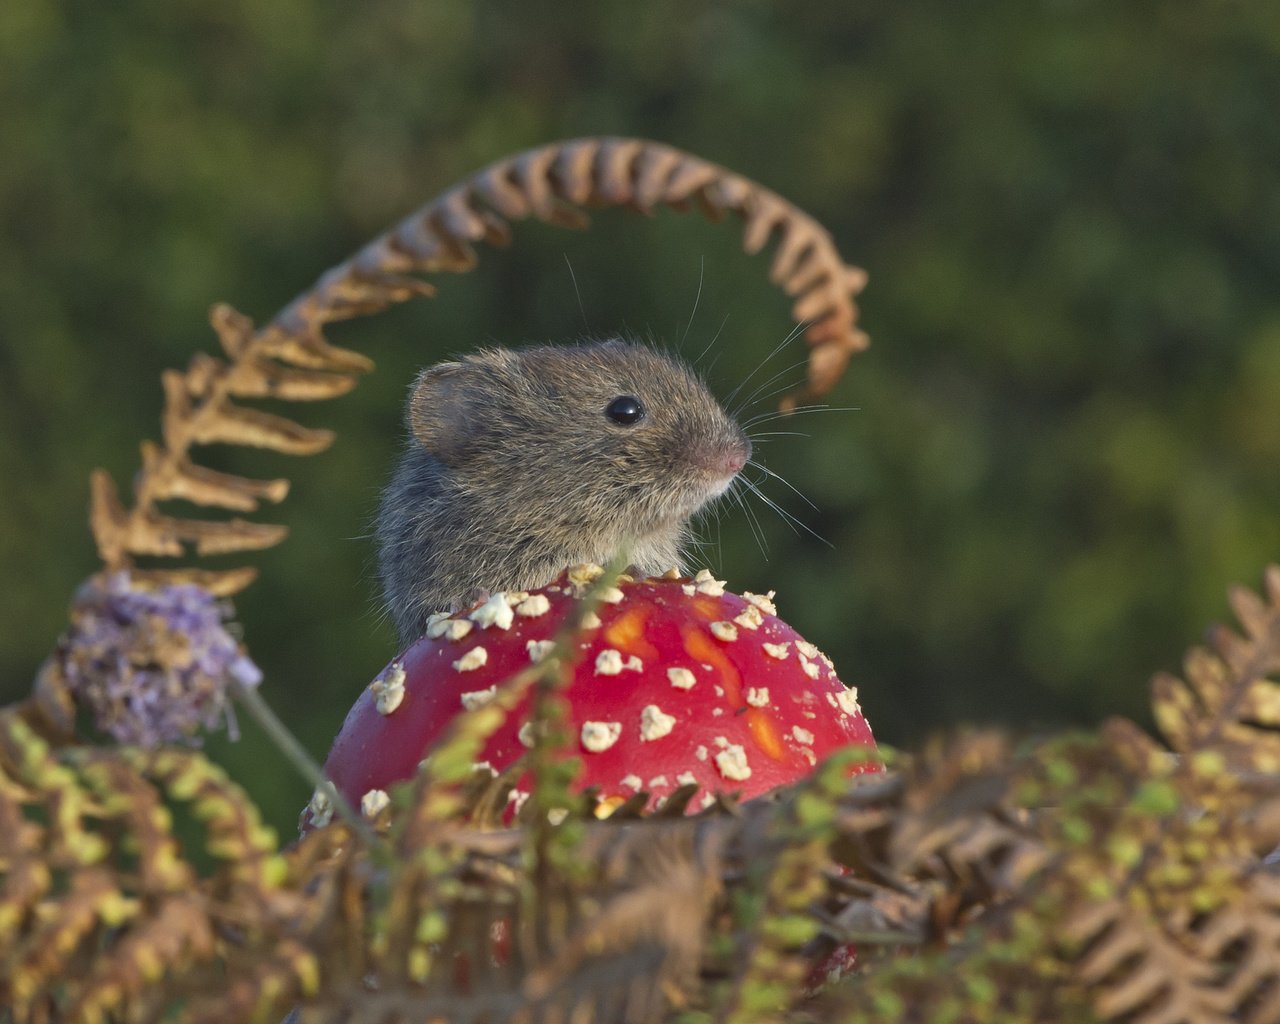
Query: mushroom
x=674 y=681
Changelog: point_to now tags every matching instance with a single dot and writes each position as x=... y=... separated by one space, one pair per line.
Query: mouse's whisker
x=759 y=528
x=784 y=481
x=770 y=415
x=764 y=437
x=803 y=361
x=760 y=394
x=804 y=410
x=753 y=522
x=786 y=516
x=711 y=344
x=586 y=322
x=764 y=362
x=702 y=273
x=719 y=521
x=789 y=385
x=701 y=541
x=750 y=512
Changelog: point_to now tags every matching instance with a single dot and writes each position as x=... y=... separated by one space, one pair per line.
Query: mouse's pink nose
x=731 y=458
x=721 y=458
x=735 y=459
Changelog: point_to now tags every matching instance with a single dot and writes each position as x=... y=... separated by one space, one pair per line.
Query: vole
x=520 y=463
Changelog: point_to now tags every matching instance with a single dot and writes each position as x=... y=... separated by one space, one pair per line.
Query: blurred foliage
x=1067 y=430
x=1101 y=876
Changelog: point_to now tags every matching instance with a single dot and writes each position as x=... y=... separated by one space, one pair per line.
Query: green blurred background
x=1067 y=430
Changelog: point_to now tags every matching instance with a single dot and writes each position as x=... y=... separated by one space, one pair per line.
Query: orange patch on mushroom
x=708 y=607
x=626 y=633
x=762 y=727
x=702 y=648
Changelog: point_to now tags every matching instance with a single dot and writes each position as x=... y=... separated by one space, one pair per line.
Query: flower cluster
x=153 y=666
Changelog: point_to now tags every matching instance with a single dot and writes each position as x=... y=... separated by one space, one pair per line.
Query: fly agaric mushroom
x=674 y=681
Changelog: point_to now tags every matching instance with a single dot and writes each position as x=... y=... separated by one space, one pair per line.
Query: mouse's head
x=610 y=437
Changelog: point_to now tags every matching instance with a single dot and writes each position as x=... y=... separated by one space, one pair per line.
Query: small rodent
x=521 y=463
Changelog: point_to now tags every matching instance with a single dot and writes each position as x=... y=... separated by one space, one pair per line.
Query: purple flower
x=153 y=665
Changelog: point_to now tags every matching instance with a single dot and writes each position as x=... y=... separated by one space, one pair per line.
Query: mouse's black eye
x=626 y=410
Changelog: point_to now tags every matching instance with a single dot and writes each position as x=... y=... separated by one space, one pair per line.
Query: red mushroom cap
x=674 y=681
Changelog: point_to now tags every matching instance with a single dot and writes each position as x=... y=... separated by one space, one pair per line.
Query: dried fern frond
x=1136 y=968
x=199 y=410
x=1028 y=890
x=98 y=903
x=290 y=359
x=1228 y=703
x=1246 y=938
x=1163 y=899
x=1175 y=914
x=553 y=183
x=1085 y=877
x=939 y=840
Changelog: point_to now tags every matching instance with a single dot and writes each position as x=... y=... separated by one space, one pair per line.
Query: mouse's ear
x=440 y=410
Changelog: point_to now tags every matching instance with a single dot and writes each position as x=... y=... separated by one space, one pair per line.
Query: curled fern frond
x=1171 y=908
x=552 y=183
x=1228 y=704
x=1167 y=900
x=290 y=359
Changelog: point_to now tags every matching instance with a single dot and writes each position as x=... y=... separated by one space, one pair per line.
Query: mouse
x=522 y=462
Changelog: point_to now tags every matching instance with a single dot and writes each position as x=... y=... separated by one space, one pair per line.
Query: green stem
x=298 y=756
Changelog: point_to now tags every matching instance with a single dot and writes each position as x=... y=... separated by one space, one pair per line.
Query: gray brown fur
x=513 y=471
